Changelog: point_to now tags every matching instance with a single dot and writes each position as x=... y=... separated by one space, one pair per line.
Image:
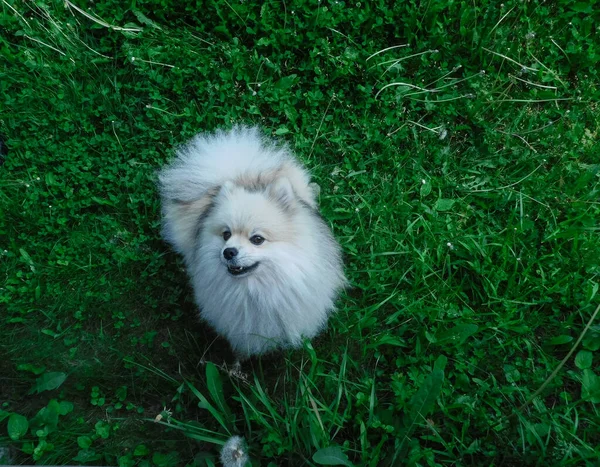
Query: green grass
x=460 y=172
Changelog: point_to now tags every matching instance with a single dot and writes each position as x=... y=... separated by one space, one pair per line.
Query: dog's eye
x=257 y=240
x=226 y=235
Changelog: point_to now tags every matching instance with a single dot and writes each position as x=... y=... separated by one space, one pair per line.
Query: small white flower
x=27 y=185
x=424 y=182
x=254 y=93
x=37 y=178
x=357 y=209
x=234 y=452
x=449 y=245
x=133 y=59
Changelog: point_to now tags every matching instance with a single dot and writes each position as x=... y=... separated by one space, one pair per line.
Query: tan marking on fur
x=260 y=181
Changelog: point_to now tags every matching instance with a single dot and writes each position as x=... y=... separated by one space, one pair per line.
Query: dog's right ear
x=226 y=188
x=180 y=222
x=315 y=190
x=282 y=192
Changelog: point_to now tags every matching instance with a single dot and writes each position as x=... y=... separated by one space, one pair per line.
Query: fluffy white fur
x=238 y=184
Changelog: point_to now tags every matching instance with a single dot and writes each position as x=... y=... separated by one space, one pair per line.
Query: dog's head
x=251 y=228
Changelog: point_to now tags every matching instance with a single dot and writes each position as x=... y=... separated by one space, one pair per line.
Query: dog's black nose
x=229 y=253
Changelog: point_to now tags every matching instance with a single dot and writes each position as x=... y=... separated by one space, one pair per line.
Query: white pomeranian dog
x=265 y=267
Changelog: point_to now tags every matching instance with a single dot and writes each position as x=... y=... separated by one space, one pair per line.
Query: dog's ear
x=226 y=188
x=315 y=190
x=180 y=222
x=281 y=191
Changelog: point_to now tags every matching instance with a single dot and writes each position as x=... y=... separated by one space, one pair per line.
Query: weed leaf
x=424 y=399
x=583 y=360
x=456 y=335
x=444 y=204
x=560 y=340
x=332 y=455
x=420 y=404
x=590 y=387
x=48 y=382
x=17 y=426
x=215 y=388
x=84 y=442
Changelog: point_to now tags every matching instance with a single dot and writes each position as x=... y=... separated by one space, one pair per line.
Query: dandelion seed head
x=234 y=452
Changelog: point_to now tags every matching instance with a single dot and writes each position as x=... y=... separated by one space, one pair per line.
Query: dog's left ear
x=282 y=192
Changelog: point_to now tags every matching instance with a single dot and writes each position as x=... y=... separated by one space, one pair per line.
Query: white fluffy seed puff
x=265 y=267
x=235 y=453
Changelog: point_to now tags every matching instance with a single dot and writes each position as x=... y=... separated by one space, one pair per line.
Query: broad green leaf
x=456 y=335
x=583 y=360
x=102 y=429
x=560 y=340
x=444 y=204
x=386 y=339
x=425 y=188
x=17 y=426
x=281 y=131
x=65 y=407
x=590 y=386
x=141 y=450
x=87 y=455
x=49 y=381
x=440 y=363
x=423 y=401
x=332 y=455
x=215 y=388
x=591 y=341
x=84 y=442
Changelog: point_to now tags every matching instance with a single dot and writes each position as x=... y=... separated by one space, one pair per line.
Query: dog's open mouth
x=241 y=270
